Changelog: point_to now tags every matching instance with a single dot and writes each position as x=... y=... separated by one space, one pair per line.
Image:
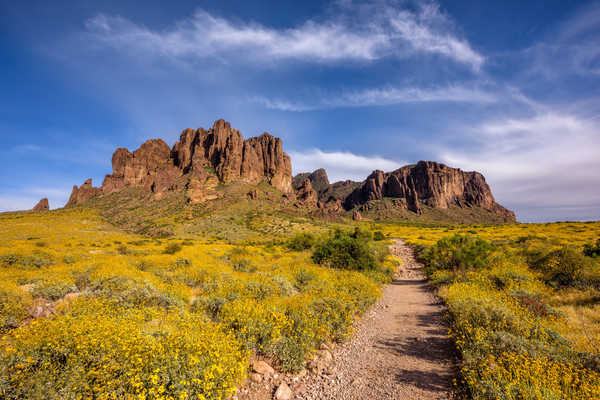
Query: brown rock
x=42 y=205
x=307 y=195
x=431 y=184
x=262 y=368
x=255 y=377
x=83 y=193
x=356 y=216
x=253 y=194
x=283 y=392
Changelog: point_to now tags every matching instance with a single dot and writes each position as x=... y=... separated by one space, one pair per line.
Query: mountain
x=428 y=184
x=196 y=164
x=218 y=164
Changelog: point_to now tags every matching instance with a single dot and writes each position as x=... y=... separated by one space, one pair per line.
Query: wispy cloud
x=547 y=160
x=341 y=165
x=381 y=97
x=346 y=36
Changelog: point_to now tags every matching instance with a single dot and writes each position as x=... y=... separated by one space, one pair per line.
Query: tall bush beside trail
x=591 y=250
x=458 y=253
x=346 y=251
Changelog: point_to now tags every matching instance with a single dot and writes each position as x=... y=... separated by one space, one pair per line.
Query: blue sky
x=510 y=89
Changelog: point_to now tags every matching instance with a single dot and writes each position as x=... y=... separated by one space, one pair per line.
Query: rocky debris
x=262 y=368
x=196 y=164
x=42 y=205
x=283 y=392
x=83 y=193
x=356 y=216
x=429 y=184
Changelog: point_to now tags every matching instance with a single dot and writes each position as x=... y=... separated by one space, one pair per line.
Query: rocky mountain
x=428 y=184
x=318 y=179
x=196 y=164
x=204 y=160
x=42 y=205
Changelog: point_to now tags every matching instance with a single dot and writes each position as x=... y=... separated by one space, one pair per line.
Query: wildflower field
x=88 y=310
x=524 y=305
x=128 y=316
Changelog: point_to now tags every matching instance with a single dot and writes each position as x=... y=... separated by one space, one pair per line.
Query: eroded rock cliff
x=429 y=184
x=196 y=164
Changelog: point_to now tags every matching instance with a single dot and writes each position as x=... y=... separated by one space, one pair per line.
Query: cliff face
x=428 y=184
x=196 y=164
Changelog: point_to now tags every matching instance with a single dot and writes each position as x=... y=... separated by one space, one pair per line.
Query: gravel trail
x=400 y=348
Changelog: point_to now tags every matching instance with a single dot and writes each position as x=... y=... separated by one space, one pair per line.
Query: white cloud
x=548 y=160
x=347 y=36
x=340 y=165
x=381 y=97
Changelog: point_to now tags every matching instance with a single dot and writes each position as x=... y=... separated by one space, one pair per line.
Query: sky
x=507 y=88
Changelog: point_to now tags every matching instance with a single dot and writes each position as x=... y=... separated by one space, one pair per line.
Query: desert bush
x=14 y=306
x=592 y=250
x=99 y=352
x=52 y=290
x=34 y=261
x=303 y=278
x=562 y=267
x=459 y=253
x=172 y=248
x=346 y=251
x=378 y=235
x=302 y=241
x=128 y=292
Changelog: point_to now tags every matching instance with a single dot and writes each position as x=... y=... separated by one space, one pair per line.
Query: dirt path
x=400 y=349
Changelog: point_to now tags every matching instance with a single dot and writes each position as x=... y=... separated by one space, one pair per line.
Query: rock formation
x=306 y=194
x=196 y=164
x=204 y=159
x=318 y=179
x=429 y=184
x=83 y=193
x=42 y=205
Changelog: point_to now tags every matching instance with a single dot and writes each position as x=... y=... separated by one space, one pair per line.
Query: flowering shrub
x=510 y=337
x=99 y=351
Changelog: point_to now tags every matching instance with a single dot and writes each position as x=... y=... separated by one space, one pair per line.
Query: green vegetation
x=591 y=250
x=511 y=316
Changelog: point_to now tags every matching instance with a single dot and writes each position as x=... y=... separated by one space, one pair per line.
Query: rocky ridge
x=196 y=164
x=203 y=159
x=430 y=184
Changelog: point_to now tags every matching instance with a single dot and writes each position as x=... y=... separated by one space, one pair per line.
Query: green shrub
x=53 y=290
x=378 y=235
x=302 y=241
x=562 y=267
x=591 y=250
x=172 y=248
x=458 y=253
x=346 y=251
